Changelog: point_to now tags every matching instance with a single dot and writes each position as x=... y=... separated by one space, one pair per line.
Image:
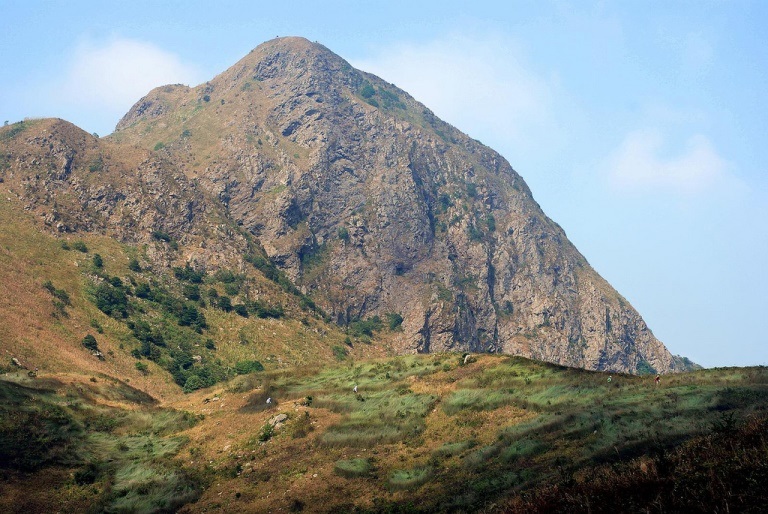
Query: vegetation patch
x=353 y=468
x=409 y=478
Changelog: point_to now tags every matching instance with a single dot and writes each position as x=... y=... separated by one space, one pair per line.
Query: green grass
x=126 y=455
x=353 y=468
x=421 y=430
x=478 y=400
x=409 y=478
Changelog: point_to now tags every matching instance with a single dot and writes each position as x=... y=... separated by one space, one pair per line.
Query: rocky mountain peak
x=375 y=207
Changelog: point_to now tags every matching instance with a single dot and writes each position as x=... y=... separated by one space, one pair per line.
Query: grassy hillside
x=426 y=433
x=422 y=434
x=162 y=330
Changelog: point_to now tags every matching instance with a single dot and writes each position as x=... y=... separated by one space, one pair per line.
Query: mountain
x=374 y=206
x=294 y=230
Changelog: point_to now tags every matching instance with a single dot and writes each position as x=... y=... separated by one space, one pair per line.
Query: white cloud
x=479 y=84
x=115 y=75
x=642 y=162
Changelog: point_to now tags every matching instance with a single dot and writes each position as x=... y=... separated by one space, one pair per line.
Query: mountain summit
x=373 y=206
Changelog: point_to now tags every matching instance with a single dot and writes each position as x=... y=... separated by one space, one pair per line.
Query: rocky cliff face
x=75 y=182
x=371 y=205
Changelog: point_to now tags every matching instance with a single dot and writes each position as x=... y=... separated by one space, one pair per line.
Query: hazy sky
x=640 y=126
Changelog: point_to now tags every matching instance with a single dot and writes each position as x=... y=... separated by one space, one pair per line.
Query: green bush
x=266 y=433
x=193 y=383
x=367 y=91
x=134 y=265
x=90 y=343
x=111 y=300
x=339 y=352
x=142 y=291
x=189 y=274
x=245 y=367
x=98 y=262
x=365 y=327
x=191 y=292
x=224 y=303
x=159 y=235
x=80 y=246
x=394 y=320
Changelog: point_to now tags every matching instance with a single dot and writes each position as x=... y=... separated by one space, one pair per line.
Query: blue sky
x=640 y=126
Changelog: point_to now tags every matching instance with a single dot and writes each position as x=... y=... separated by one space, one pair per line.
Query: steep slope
x=114 y=243
x=375 y=206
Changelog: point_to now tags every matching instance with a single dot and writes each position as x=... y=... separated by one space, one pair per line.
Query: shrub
x=87 y=475
x=267 y=431
x=90 y=343
x=302 y=426
x=159 y=146
x=490 y=220
x=394 y=320
x=367 y=91
x=189 y=274
x=98 y=262
x=80 y=246
x=339 y=352
x=111 y=300
x=343 y=234
x=475 y=234
x=224 y=303
x=142 y=368
x=365 y=327
x=159 y=235
x=245 y=367
x=193 y=383
x=227 y=276
x=232 y=289
x=134 y=265
x=191 y=292
x=96 y=165
x=142 y=291
x=190 y=316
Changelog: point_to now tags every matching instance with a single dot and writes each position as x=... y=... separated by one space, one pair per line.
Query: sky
x=640 y=126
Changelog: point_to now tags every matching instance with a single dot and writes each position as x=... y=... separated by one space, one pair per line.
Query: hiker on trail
x=354 y=389
x=269 y=400
x=609 y=379
x=658 y=379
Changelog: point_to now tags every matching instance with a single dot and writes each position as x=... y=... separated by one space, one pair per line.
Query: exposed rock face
x=371 y=205
x=76 y=182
